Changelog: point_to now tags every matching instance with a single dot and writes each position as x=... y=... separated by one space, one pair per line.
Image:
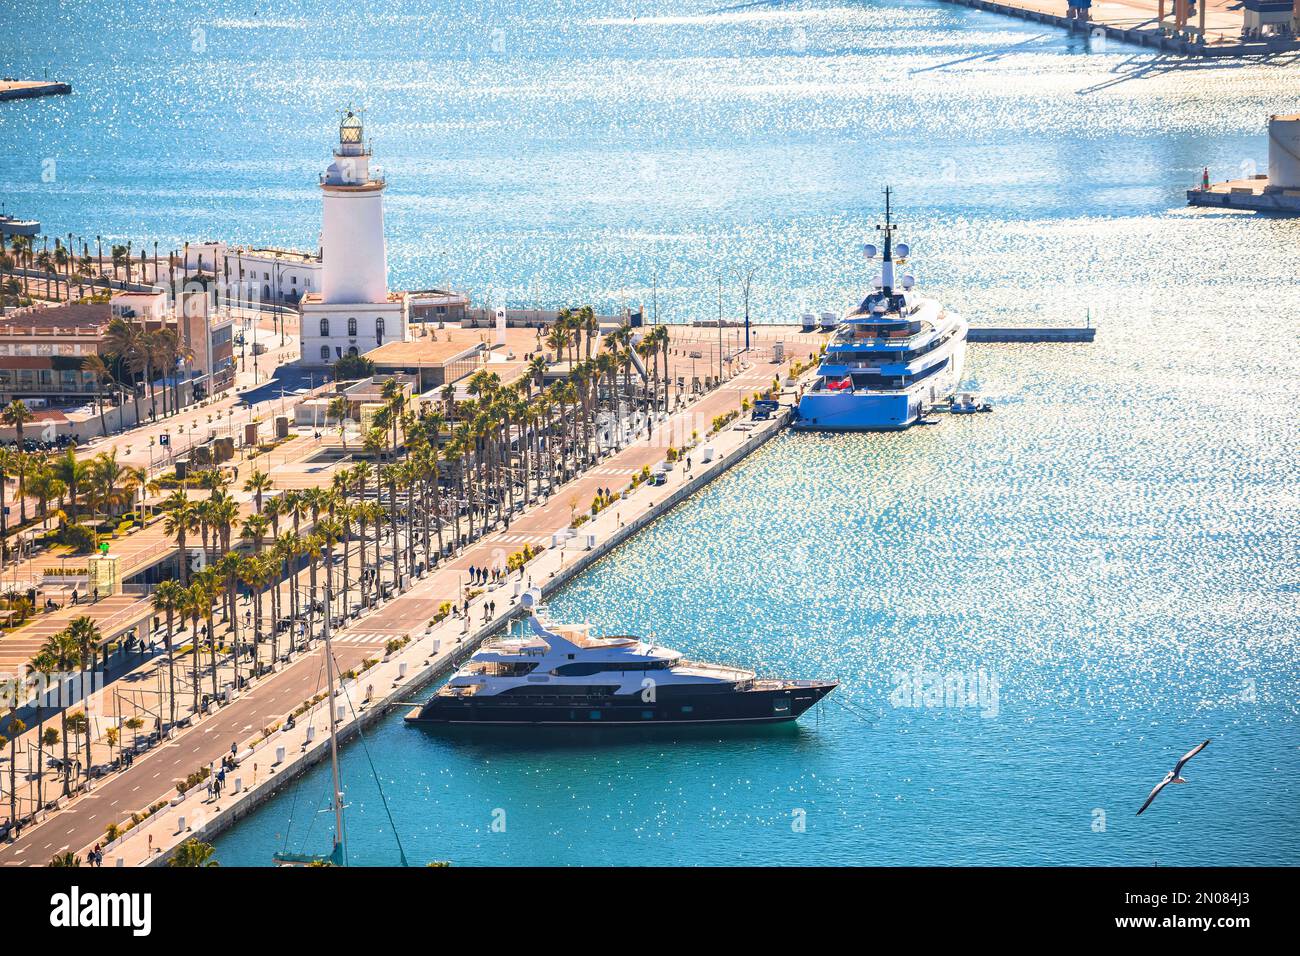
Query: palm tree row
x=68 y=487
x=432 y=480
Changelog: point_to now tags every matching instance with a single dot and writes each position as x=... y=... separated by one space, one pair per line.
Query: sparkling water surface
x=1113 y=549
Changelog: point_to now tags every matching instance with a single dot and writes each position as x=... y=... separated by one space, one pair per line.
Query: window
x=324 y=353
x=352 y=328
x=325 y=328
x=352 y=350
x=379 y=330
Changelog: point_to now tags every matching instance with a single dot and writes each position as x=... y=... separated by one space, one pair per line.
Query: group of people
x=217 y=782
x=486 y=575
x=96 y=856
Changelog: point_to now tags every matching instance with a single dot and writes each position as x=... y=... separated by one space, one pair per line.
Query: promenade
x=152 y=777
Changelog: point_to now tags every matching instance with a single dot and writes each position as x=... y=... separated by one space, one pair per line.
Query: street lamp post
x=748 y=279
x=719 y=330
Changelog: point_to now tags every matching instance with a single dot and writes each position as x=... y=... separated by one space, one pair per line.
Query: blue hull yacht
x=890 y=358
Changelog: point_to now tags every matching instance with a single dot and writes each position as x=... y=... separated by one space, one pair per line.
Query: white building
x=353 y=312
x=257 y=276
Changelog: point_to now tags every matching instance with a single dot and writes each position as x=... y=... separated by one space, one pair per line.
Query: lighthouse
x=354 y=312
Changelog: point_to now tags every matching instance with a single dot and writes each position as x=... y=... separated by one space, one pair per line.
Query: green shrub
x=79 y=537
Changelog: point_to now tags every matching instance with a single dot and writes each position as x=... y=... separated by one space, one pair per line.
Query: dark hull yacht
x=559 y=675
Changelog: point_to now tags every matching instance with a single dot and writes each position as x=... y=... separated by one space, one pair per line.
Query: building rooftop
x=138 y=296
x=421 y=353
x=73 y=318
x=270 y=252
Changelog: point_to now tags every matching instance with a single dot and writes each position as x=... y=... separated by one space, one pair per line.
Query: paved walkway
x=152 y=777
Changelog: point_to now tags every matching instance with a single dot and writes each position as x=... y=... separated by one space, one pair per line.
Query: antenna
x=887 y=270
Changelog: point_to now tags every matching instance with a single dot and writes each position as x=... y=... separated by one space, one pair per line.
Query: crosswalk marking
x=521 y=538
x=362 y=638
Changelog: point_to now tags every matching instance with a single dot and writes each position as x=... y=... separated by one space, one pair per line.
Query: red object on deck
x=845 y=383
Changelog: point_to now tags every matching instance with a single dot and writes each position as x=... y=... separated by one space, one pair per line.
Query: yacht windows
x=587 y=669
x=887 y=382
x=502 y=669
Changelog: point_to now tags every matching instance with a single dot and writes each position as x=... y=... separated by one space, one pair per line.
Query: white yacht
x=561 y=674
x=893 y=356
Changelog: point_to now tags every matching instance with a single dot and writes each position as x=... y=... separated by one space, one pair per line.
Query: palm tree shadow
x=1142 y=66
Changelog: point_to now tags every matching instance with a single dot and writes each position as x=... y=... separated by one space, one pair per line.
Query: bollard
x=180 y=824
x=342 y=712
x=121 y=861
x=401 y=670
x=239 y=785
x=279 y=755
x=311 y=733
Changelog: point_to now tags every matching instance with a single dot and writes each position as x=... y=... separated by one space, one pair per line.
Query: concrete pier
x=28 y=89
x=1217 y=30
x=1031 y=335
x=1251 y=194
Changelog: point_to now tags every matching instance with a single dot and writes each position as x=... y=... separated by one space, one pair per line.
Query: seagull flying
x=1173 y=775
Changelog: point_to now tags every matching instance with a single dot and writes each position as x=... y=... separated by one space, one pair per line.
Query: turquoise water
x=1114 y=549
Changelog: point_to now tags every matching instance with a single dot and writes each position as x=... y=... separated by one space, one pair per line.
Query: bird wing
x=1178 y=767
x=1160 y=786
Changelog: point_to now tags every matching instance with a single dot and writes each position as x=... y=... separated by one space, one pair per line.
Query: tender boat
x=892 y=357
x=562 y=675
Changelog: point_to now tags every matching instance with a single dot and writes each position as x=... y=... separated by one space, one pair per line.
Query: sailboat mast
x=334 y=737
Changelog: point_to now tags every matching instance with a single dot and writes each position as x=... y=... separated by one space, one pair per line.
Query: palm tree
x=46 y=486
x=338 y=408
x=257 y=573
x=73 y=474
x=95 y=366
x=44 y=665
x=136 y=481
x=169 y=597
x=126 y=341
x=17 y=414
x=85 y=632
x=209 y=587
x=63 y=649
x=193 y=853
x=227 y=568
x=65 y=859
x=192 y=606
x=15 y=730
x=182 y=518
x=258 y=483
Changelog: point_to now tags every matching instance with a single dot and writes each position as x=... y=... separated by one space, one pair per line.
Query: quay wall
x=439 y=661
x=1283 y=202
x=23 y=90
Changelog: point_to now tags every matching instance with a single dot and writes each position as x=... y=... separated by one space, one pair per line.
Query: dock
x=1047 y=334
x=29 y=89
x=1219 y=28
x=1252 y=194
x=1277 y=191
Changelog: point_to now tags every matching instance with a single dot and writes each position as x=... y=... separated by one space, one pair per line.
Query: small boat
x=968 y=403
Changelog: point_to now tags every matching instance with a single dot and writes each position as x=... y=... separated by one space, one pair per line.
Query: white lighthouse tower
x=354 y=312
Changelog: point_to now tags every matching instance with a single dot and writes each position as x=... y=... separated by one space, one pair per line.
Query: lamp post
x=749 y=277
x=719 y=330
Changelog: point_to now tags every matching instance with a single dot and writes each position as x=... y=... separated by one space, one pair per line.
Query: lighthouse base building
x=354 y=312
x=333 y=330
